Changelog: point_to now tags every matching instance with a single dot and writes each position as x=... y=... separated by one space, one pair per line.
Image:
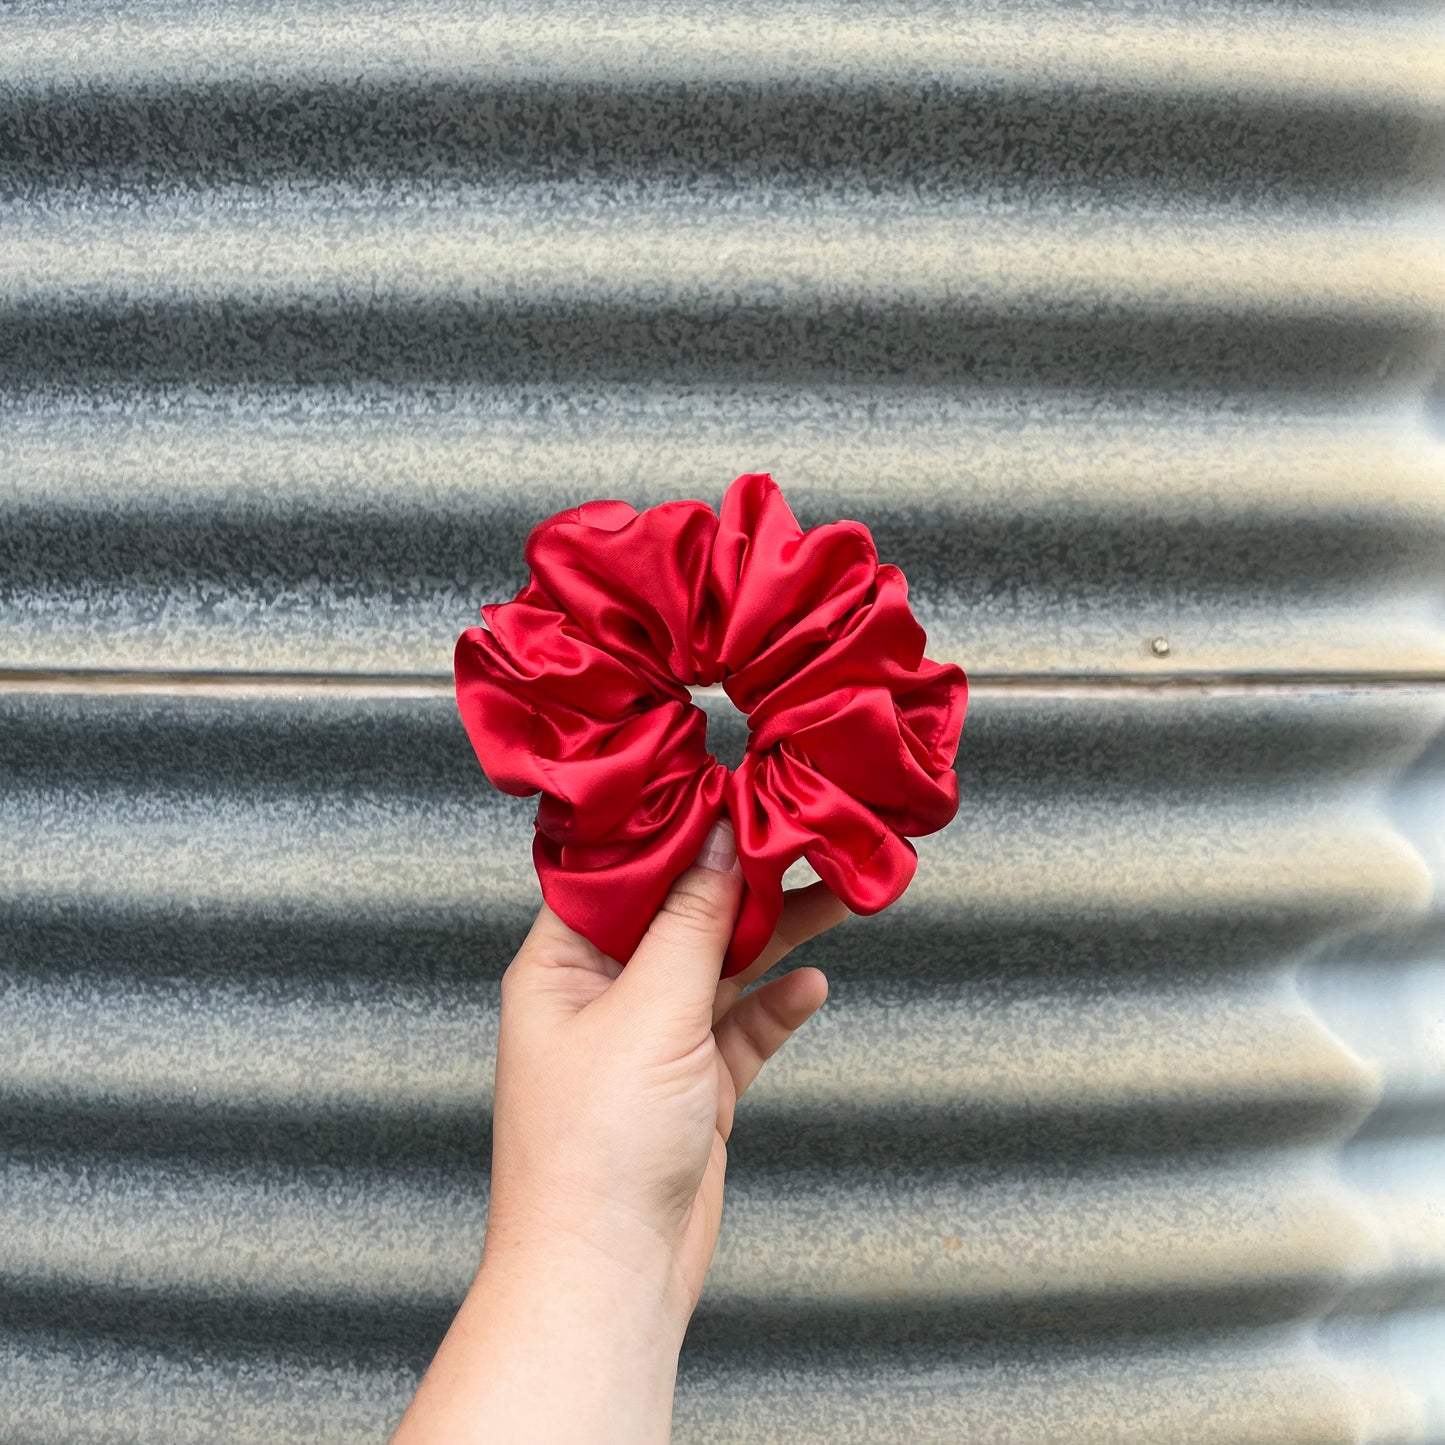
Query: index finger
x=807 y=912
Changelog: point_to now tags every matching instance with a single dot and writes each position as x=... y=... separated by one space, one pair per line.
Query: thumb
x=676 y=967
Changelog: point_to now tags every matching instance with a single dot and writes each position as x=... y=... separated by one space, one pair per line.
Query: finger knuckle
x=770 y=1013
x=755 y=1036
x=693 y=906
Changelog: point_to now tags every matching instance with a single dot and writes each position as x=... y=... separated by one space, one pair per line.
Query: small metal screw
x=1159 y=646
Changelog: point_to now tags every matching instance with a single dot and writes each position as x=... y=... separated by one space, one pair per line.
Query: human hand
x=615 y=1094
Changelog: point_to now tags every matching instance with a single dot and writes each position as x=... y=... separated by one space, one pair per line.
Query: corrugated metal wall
x=1127 y=1125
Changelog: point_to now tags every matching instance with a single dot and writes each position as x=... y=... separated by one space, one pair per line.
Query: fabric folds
x=577 y=689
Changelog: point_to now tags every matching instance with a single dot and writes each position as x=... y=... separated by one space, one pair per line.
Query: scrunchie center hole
x=727 y=728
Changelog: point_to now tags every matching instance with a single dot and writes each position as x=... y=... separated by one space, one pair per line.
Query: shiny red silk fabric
x=578 y=689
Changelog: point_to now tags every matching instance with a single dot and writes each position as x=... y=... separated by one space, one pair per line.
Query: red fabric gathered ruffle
x=578 y=689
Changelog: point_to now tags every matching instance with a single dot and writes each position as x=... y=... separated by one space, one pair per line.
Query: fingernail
x=720 y=848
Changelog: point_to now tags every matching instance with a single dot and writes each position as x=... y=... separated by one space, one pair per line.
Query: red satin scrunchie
x=578 y=689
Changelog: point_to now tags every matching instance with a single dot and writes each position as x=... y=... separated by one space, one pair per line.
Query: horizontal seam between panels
x=413 y=685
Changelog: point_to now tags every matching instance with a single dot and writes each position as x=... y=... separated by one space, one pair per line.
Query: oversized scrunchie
x=578 y=689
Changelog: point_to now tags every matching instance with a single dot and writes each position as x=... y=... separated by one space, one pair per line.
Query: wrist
x=534 y=1229
x=618 y=1261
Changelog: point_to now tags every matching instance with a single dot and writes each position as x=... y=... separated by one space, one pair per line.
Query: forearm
x=555 y=1349
x=614 y=1099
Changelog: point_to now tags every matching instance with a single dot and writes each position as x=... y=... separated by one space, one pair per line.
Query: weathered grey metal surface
x=1127 y=1125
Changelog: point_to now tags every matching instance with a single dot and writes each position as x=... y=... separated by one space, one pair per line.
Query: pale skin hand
x=614 y=1101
